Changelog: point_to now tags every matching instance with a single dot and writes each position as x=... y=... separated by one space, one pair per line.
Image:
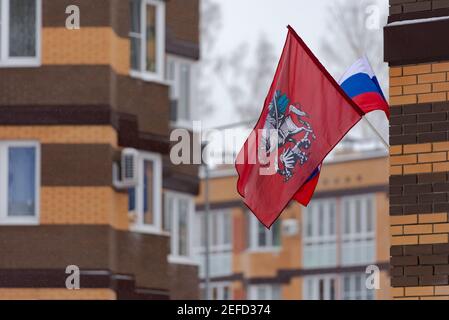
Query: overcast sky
x=247 y=20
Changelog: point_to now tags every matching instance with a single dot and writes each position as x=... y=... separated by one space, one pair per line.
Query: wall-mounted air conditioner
x=125 y=175
x=290 y=227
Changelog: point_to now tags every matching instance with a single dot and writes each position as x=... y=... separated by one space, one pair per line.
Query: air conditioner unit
x=290 y=227
x=125 y=175
x=129 y=166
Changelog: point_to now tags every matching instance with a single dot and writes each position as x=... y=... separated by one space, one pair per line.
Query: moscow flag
x=309 y=113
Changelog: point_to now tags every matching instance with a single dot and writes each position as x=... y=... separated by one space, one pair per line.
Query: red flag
x=309 y=114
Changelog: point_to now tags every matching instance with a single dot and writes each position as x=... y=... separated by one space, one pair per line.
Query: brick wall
x=419 y=181
x=76 y=64
x=419 y=165
x=82 y=70
x=411 y=6
x=61 y=134
x=420 y=265
x=101 y=46
x=420 y=83
x=183 y=20
x=84 y=205
x=56 y=294
x=419 y=129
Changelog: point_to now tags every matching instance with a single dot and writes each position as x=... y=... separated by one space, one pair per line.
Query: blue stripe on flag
x=314 y=174
x=358 y=84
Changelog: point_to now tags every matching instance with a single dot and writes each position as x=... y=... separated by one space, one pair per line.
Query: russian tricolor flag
x=360 y=83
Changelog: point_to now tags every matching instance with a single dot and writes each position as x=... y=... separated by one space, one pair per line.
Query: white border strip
x=416 y=21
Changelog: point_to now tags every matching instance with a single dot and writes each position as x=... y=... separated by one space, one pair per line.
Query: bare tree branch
x=210 y=24
x=350 y=38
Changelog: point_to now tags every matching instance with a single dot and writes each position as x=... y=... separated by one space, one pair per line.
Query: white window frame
x=312 y=293
x=5 y=59
x=4 y=170
x=220 y=254
x=254 y=245
x=220 y=289
x=354 y=239
x=139 y=225
x=310 y=288
x=327 y=241
x=268 y=288
x=174 y=256
x=143 y=73
x=175 y=86
x=363 y=291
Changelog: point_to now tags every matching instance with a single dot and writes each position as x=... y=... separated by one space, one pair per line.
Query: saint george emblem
x=294 y=135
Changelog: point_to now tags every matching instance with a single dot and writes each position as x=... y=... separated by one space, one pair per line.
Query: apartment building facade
x=73 y=101
x=316 y=253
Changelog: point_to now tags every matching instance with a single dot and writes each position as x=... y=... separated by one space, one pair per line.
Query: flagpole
x=373 y=128
x=206 y=232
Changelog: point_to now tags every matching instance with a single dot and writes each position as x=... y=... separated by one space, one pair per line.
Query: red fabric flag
x=309 y=114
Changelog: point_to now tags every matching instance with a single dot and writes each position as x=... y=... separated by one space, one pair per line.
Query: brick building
x=419 y=80
x=321 y=252
x=71 y=102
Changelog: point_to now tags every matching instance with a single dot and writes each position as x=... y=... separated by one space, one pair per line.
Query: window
x=19 y=192
x=323 y=287
x=180 y=72
x=20 y=25
x=263 y=239
x=354 y=287
x=358 y=238
x=264 y=292
x=145 y=199
x=320 y=249
x=218 y=290
x=331 y=287
x=178 y=215
x=220 y=241
x=147 y=36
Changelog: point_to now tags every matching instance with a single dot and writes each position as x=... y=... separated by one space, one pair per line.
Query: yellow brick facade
x=56 y=294
x=61 y=134
x=420 y=83
x=419 y=229
x=420 y=158
x=85 y=46
x=421 y=293
x=84 y=205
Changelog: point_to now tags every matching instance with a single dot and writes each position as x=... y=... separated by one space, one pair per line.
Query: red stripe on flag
x=372 y=101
